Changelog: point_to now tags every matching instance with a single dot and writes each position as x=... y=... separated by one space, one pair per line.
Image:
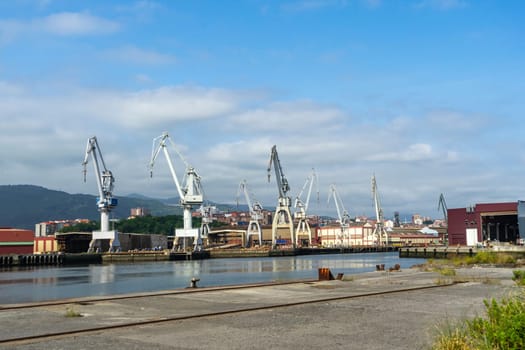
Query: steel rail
x=64 y=334
x=81 y=300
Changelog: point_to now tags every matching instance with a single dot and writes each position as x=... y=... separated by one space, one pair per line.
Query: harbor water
x=44 y=283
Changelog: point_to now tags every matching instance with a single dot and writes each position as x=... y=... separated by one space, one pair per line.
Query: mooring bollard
x=325 y=274
x=194 y=281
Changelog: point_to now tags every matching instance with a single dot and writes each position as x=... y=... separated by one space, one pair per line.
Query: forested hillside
x=22 y=206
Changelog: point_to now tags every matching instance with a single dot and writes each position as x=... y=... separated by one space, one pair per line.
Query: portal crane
x=342 y=214
x=190 y=192
x=443 y=206
x=282 y=218
x=256 y=214
x=206 y=219
x=105 y=200
x=379 y=230
x=303 y=227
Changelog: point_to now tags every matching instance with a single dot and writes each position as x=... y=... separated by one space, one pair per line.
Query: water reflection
x=105 y=273
x=46 y=283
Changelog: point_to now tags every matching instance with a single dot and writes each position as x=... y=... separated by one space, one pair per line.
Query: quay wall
x=134 y=257
x=49 y=259
x=451 y=252
x=102 y=258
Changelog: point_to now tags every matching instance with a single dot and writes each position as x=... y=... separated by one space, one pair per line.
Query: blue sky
x=425 y=94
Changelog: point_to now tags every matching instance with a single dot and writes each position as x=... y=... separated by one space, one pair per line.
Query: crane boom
x=159 y=143
x=282 y=182
x=342 y=214
x=105 y=179
x=308 y=183
x=442 y=205
x=379 y=230
x=255 y=208
x=377 y=200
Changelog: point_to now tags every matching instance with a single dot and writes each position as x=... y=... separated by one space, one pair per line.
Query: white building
x=352 y=236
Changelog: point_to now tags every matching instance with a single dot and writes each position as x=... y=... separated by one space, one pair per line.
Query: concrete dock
x=362 y=317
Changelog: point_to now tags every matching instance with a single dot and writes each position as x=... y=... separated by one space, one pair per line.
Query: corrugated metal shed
x=16 y=241
x=483 y=222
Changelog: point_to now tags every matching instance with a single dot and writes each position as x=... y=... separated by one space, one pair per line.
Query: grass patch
x=452 y=338
x=446 y=271
x=480 y=258
x=492 y=258
x=502 y=328
x=70 y=312
x=519 y=277
x=443 y=281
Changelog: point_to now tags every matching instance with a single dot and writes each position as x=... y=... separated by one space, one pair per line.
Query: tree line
x=163 y=225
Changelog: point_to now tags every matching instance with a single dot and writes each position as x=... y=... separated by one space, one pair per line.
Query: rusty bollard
x=325 y=274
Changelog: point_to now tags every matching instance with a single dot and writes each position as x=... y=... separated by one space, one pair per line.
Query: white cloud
x=7 y=88
x=453 y=121
x=288 y=116
x=9 y=29
x=144 y=109
x=74 y=23
x=62 y=24
x=414 y=152
x=50 y=132
x=132 y=54
x=166 y=104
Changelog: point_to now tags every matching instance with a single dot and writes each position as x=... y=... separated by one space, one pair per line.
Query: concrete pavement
x=404 y=320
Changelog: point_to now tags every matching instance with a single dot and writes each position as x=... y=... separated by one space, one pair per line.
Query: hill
x=22 y=206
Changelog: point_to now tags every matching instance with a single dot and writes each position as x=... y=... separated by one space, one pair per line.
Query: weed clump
x=519 y=277
x=70 y=312
x=491 y=258
x=502 y=328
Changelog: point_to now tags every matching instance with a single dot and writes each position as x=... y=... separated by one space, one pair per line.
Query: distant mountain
x=138 y=196
x=22 y=206
x=174 y=201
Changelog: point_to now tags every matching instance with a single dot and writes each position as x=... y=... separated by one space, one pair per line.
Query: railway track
x=156 y=320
